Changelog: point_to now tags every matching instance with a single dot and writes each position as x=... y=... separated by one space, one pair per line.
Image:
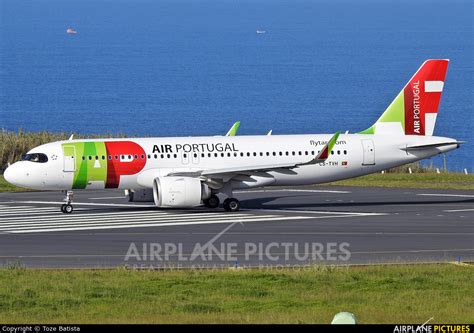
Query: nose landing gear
x=67 y=207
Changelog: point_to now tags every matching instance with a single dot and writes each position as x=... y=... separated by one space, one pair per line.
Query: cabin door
x=368 y=151
x=69 y=164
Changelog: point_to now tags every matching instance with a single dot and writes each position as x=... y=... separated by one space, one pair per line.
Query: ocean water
x=193 y=67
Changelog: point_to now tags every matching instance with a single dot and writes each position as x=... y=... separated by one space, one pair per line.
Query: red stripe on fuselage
x=117 y=167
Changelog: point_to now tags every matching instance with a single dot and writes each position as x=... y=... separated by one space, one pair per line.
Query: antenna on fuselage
x=70 y=138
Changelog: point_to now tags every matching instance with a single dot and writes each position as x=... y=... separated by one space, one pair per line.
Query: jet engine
x=179 y=192
x=139 y=195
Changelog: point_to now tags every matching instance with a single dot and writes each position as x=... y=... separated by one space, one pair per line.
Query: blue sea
x=194 y=67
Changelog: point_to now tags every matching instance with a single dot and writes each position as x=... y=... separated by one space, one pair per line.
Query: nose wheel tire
x=67 y=209
x=212 y=202
x=231 y=205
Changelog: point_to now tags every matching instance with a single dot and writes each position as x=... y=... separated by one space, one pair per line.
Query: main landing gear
x=67 y=207
x=212 y=202
x=230 y=204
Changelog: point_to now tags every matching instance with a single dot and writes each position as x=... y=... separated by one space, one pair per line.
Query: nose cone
x=11 y=175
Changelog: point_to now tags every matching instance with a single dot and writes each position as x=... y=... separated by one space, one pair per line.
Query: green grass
x=431 y=180
x=377 y=294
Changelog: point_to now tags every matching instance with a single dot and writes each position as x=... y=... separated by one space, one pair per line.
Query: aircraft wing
x=210 y=173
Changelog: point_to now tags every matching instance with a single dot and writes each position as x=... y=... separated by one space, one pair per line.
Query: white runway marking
x=458 y=210
x=317 y=212
x=31 y=219
x=80 y=203
x=447 y=195
x=294 y=190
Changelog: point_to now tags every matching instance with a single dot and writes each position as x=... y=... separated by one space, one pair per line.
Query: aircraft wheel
x=231 y=204
x=67 y=209
x=62 y=208
x=212 y=202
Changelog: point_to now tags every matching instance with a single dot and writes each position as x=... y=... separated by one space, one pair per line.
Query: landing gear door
x=368 y=152
x=69 y=159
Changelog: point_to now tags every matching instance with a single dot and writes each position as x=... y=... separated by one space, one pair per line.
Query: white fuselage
x=353 y=155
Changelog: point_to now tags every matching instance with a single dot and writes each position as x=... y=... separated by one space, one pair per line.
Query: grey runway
x=277 y=226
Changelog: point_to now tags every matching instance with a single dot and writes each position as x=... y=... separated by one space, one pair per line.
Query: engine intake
x=179 y=192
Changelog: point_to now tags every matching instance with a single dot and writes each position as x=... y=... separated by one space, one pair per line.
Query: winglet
x=324 y=153
x=233 y=129
x=269 y=132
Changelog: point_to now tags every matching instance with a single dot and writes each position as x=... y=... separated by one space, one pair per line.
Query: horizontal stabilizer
x=432 y=145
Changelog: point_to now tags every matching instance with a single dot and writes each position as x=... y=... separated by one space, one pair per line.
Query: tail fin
x=413 y=111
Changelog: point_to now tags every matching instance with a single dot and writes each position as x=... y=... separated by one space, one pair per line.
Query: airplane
x=185 y=172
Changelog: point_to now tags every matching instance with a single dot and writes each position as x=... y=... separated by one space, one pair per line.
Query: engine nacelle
x=145 y=195
x=179 y=192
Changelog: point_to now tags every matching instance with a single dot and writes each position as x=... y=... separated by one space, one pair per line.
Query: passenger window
x=175 y=156
x=339 y=152
x=83 y=158
x=90 y=158
x=332 y=152
x=254 y=154
x=136 y=156
x=345 y=152
x=110 y=157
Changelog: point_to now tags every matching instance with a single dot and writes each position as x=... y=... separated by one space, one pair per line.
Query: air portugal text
x=195 y=148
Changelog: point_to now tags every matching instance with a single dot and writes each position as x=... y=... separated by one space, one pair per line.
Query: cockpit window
x=39 y=158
